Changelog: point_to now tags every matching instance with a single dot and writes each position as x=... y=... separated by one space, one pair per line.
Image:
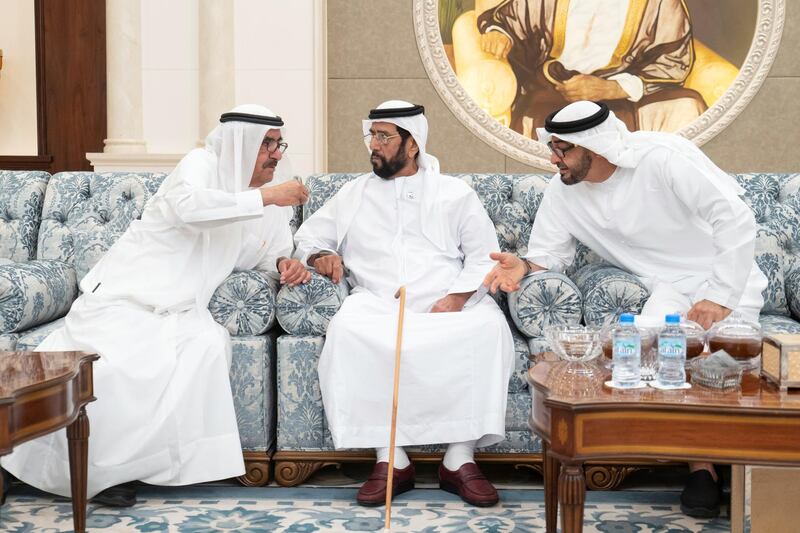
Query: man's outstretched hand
x=506 y=274
x=707 y=313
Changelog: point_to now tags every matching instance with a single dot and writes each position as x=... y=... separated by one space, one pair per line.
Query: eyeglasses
x=560 y=152
x=381 y=137
x=270 y=145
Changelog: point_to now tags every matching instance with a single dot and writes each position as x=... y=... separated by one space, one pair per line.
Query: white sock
x=400 y=458
x=459 y=454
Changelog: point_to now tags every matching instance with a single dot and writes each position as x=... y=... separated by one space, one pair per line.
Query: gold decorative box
x=780 y=360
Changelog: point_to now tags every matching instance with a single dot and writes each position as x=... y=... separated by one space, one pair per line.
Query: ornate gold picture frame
x=501 y=65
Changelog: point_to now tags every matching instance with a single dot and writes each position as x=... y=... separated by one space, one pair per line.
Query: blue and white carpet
x=212 y=509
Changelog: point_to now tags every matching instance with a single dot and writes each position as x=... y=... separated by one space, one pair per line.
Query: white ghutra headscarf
x=594 y=127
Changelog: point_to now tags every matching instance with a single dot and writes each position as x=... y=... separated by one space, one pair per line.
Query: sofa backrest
x=775 y=201
x=21 y=198
x=513 y=199
x=85 y=213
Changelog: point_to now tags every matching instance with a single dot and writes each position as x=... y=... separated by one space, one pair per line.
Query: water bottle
x=671 y=353
x=626 y=354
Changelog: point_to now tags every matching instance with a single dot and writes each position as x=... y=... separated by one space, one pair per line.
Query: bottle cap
x=626 y=318
x=673 y=319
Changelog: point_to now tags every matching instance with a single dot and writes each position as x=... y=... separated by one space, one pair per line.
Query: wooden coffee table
x=41 y=392
x=755 y=425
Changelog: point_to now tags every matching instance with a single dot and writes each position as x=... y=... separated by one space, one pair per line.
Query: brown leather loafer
x=469 y=483
x=373 y=492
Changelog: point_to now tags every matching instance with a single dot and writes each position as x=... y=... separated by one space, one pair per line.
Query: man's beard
x=389 y=168
x=577 y=172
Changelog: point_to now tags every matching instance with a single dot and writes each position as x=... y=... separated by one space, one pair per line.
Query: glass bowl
x=740 y=339
x=574 y=343
x=715 y=376
x=695 y=338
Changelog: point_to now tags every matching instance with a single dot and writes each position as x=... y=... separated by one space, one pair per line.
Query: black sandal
x=119 y=496
x=701 y=496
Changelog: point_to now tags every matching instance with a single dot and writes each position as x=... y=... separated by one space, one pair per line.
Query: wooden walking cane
x=401 y=293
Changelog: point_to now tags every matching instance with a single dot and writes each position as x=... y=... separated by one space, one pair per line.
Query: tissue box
x=780 y=360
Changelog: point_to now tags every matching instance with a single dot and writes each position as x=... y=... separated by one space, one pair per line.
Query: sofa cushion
x=608 y=292
x=85 y=213
x=33 y=337
x=21 y=198
x=769 y=256
x=545 y=298
x=778 y=324
x=306 y=309
x=35 y=292
x=252 y=376
x=245 y=303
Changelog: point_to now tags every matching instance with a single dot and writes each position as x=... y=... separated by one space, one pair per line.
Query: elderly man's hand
x=496 y=43
x=292 y=192
x=293 y=272
x=706 y=313
x=588 y=87
x=330 y=266
x=452 y=303
x=506 y=274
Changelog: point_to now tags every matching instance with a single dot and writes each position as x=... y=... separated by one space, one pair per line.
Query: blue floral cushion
x=33 y=337
x=545 y=298
x=792 y=283
x=323 y=187
x=252 y=376
x=245 y=303
x=511 y=200
x=306 y=309
x=8 y=341
x=769 y=258
x=301 y=421
x=35 y=292
x=778 y=324
x=608 y=292
x=85 y=213
x=536 y=346
x=21 y=198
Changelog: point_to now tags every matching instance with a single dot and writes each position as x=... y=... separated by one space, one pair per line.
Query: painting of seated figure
x=660 y=65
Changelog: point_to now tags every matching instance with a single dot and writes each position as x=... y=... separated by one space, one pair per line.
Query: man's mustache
x=270 y=164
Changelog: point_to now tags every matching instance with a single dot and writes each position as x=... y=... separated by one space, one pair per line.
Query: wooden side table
x=756 y=424
x=41 y=392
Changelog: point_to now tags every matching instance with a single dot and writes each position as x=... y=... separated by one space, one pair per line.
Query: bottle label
x=625 y=348
x=671 y=348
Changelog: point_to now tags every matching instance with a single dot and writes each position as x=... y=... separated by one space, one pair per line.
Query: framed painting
x=683 y=66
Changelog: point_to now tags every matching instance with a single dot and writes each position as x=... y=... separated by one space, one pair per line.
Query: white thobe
x=164 y=410
x=665 y=222
x=455 y=366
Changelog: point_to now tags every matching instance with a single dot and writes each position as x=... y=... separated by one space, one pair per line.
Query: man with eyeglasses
x=164 y=411
x=656 y=206
x=405 y=224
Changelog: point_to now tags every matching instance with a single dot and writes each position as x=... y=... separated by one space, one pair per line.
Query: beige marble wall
x=372 y=57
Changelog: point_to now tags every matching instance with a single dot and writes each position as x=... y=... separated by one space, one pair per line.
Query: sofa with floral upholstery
x=590 y=291
x=53 y=229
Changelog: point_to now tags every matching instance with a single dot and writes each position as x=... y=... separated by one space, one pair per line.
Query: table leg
x=78 y=439
x=736 y=510
x=551 y=468
x=571 y=494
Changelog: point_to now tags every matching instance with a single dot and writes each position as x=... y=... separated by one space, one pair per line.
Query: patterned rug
x=211 y=509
